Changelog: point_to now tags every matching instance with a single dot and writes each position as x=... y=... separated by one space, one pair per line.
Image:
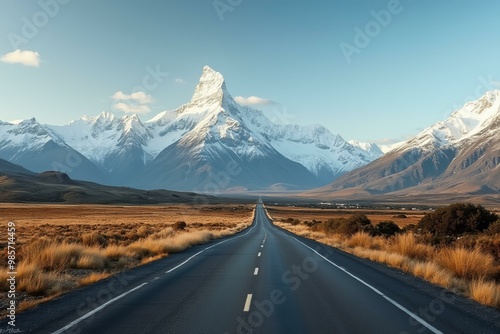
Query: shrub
x=292 y=221
x=409 y=228
x=348 y=227
x=494 y=228
x=457 y=219
x=359 y=219
x=179 y=225
x=327 y=227
x=387 y=228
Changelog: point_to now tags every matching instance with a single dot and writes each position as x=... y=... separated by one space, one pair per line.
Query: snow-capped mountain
x=459 y=154
x=35 y=147
x=212 y=132
x=114 y=144
x=210 y=144
x=373 y=149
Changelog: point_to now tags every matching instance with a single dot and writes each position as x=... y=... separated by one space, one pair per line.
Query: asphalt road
x=262 y=280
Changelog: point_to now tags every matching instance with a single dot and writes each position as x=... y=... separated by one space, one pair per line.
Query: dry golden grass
x=92 y=278
x=361 y=239
x=406 y=244
x=92 y=259
x=57 y=244
x=466 y=263
x=31 y=279
x=468 y=271
x=54 y=256
x=93 y=238
x=485 y=292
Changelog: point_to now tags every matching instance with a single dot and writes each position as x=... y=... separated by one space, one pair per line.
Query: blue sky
x=306 y=60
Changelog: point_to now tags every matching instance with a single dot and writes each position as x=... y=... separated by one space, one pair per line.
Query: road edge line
x=85 y=316
x=390 y=300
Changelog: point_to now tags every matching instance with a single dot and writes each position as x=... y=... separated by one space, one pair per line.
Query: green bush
x=387 y=228
x=292 y=221
x=457 y=219
x=359 y=219
x=494 y=228
x=347 y=226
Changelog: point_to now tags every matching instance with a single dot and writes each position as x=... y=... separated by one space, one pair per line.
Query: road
x=262 y=280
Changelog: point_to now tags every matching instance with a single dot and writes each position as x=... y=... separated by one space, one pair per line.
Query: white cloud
x=132 y=109
x=27 y=58
x=180 y=81
x=138 y=97
x=135 y=103
x=253 y=101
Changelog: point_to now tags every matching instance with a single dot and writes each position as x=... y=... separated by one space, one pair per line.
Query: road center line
x=247 y=303
x=256 y=271
x=89 y=314
x=393 y=302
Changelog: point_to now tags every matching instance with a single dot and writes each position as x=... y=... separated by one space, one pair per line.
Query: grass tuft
x=33 y=280
x=406 y=244
x=466 y=263
x=485 y=292
x=92 y=278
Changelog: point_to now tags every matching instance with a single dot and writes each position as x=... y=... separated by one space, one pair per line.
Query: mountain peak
x=105 y=116
x=211 y=88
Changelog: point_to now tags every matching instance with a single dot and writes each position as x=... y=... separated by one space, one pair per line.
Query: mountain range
x=460 y=155
x=214 y=145
x=210 y=144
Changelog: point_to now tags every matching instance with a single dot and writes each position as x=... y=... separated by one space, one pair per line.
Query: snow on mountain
x=458 y=155
x=97 y=137
x=462 y=124
x=204 y=132
x=373 y=149
x=212 y=118
x=37 y=148
x=389 y=147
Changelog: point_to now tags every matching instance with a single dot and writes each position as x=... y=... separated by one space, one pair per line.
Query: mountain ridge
x=201 y=136
x=458 y=155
